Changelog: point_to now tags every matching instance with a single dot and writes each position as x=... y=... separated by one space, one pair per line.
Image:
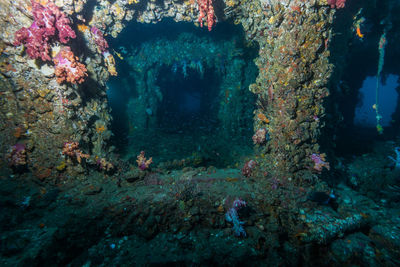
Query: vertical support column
x=291 y=86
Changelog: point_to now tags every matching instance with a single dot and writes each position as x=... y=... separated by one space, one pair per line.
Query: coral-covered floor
x=178 y=217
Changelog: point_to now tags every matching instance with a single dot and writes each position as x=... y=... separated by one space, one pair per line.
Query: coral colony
x=232 y=216
x=337 y=3
x=319 y=162
x=17 y=156
x=101 y=43
x=105 y=165
x=260 y=136
x=68 y=67
x=37 y=38
x=49 y=23
x=142 y=162
x=206 y=8
x=71 y=149
x=102 y=47
x=249 y=167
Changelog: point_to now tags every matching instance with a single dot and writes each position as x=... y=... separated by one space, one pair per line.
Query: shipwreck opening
x=182 y=94
x=188 y=102
x=367 y=93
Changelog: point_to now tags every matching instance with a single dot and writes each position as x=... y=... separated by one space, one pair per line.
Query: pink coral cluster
x=248 y=168
x=17 y=156
x=68 y=67
x=71 y=149
x=206 y=8
x=337 y=3
x=36 y=38
x=319 y=162
x=104 y=165
x=260 y=136
x=98 y=37
x=102 y=47
x=142 y=162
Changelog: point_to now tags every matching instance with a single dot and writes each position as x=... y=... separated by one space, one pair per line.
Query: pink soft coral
x=98 y=37
x=206 y=8
x=36 y=38
x=68 y=67
x=320 y=162
x=142 y=162
x=17 y=155
x=248 y=168
x=337 y=3
x=260 y=136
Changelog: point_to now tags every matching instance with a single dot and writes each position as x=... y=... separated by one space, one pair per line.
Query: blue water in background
x=365 y=115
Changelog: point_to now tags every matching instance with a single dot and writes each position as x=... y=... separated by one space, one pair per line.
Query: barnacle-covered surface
x=294 y=72
x=66 y=198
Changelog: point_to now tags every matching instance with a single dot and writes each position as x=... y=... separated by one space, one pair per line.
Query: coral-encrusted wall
x=41 y=112
x=294 y=72
x=293 y=36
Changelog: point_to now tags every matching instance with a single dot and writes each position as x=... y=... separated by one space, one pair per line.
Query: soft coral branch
x=206 y=8
x=36 y=38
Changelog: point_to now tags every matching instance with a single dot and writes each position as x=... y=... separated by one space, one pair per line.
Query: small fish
x=118 y=55
x=321 y=198
x=358 y=32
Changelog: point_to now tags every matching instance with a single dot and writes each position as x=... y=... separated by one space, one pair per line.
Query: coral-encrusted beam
x=206 y=8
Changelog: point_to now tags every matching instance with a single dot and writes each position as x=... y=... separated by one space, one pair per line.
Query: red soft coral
x=44 y=18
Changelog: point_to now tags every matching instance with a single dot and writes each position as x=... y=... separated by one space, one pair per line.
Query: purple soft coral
x=233 y=217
